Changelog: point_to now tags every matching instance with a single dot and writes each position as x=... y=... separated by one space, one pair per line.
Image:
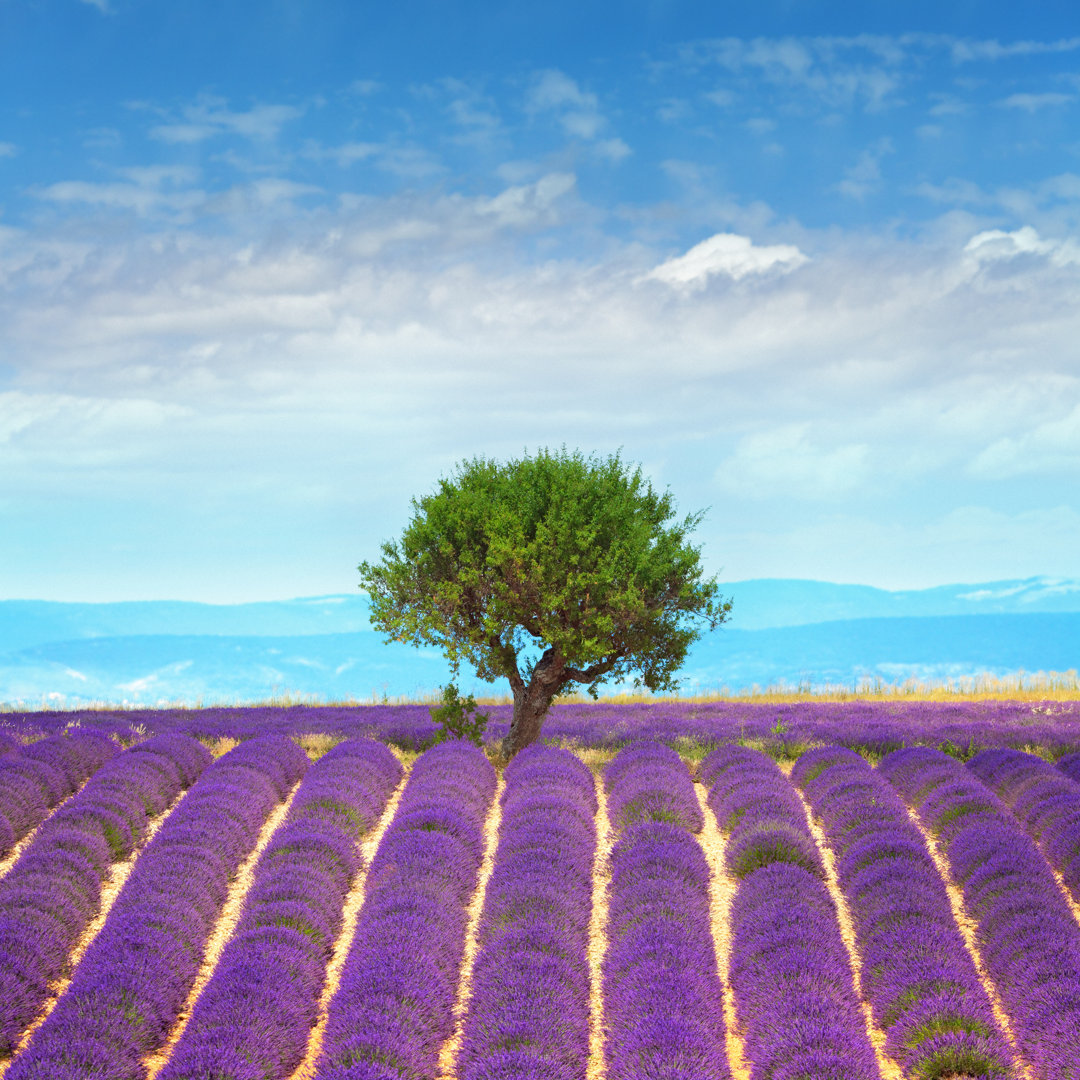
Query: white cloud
x=721 y=98
x=211 y=116
x=833 y=71
x=1052 y=446
x=994 y=245
x=729 y=254
x=8 y=149
x=78 y=432
x=578 y=111
x=612 y=149
x=469 y=108
x=1034 y=102
x=372 y=345
x=966 y=50
x=143 y=197
x=525 y=204
x=101 y=5
x=864 y=176
x=785 y=461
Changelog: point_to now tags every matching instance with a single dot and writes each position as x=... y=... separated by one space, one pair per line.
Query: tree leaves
x=575 y=556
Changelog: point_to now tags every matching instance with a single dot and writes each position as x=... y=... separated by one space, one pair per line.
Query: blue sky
x=267 y=270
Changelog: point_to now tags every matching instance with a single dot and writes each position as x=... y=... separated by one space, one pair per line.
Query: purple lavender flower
x=136 y=974
x=648 y=781
x=54 y=889
x=1029 y=941
x=257 y=1010
x=917 y=974
x=529 y=1012
x=393 y=1007
x=794 y=989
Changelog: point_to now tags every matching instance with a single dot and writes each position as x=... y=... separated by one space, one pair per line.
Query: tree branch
x=593 y=671
x=509 y=658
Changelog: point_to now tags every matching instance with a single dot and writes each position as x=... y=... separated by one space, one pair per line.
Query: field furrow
x=117 y=877
x=1024 y=930
x=395 y=998
x=722 y=886
x=53 y=892
x=596 y=1066
x=260 y=1004
x=128 y=992
x=663 y=1002
x=220 y=935
x=528 y=1013
x=795 y=992
x=451 y=1047
x=350 y=916
x=36 y=780
x=1046 y=803
x=888 y=1066
x=387 y=914
x=914 y=968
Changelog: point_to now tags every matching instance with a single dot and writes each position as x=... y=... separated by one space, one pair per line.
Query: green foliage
x=458 y=717
x=574 y=557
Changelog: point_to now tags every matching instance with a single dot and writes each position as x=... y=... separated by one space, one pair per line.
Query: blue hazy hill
x=782 y=631
x=759 y=604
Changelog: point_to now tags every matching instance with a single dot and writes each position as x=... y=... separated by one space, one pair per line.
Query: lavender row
x=529 y=1011
x=394 y=1004
x=663 y=1003
x=54 y=889
x=35 y=778
x=1029 y=941
x=1045 y=801
x=794 y=988
x=785 y=728
x=647 y=781
x=917 y=973
x=135 y=976
x=1070 y=766
x=255 y=1015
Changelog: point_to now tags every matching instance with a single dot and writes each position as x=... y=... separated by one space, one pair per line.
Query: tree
x=551 y=571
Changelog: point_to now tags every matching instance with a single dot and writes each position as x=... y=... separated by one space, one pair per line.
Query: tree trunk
x=531 y=703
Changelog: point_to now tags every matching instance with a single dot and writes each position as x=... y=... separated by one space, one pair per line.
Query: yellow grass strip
x=220 y=934
x=354 y=902
x=1074 y=907
x=967 y=930
x=451 y=1047
x=722 y=888
x=118 y=875
x=890 y=1070
x=598 y=943
x=14 y=854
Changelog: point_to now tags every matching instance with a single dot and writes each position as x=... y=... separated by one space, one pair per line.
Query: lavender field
x=678 y=891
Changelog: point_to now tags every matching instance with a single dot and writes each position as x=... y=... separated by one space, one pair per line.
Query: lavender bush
x=529 y=1012
x=1029 y=940
x=33 y=779
x=917 y=972
x=128 y=991
x=794 y=989
x=255 y=1014
x=663 y=1003
x=961 y=728
x=1046 y=803
x=54 y=889
x=394 y=1005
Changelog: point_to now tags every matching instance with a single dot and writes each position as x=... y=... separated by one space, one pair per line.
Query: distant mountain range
x=782 y=630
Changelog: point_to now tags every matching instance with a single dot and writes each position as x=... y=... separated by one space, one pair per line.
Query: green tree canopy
x=553 y=571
